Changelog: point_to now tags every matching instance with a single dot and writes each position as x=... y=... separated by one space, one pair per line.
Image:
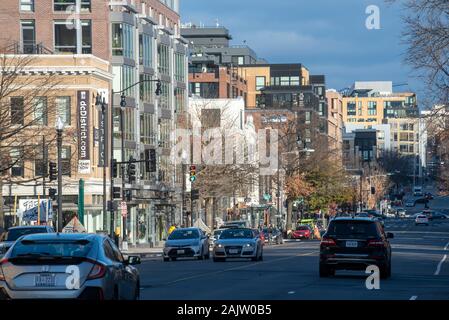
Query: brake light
x=98 y=271
x=326 y=242
x=375 y=243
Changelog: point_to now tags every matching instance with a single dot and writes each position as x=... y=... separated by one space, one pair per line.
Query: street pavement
x=420 y=271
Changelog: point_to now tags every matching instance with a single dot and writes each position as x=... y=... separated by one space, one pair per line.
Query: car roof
x=355 y=218
x=189 y=228
x=27 y=227
x=241 y=228
x=63 y=236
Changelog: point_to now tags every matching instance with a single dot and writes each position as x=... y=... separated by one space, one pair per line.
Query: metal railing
x=28 y=48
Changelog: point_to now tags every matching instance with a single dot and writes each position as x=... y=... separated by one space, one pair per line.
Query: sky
x=327 y=36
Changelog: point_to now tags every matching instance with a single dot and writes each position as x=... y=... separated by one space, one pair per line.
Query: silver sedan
x=67 y=266
x=186 y=243
x=238 y=243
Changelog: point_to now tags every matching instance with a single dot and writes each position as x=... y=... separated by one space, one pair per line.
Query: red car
x=301 y=232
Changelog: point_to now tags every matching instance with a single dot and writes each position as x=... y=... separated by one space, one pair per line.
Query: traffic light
x=52 y=193
x=117 y=194
x=53 y=171
x=114 y=168
x=150 y=160
x=192 y=173
x=131 y=170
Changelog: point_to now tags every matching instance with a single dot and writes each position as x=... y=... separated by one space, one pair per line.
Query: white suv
x=421 y=219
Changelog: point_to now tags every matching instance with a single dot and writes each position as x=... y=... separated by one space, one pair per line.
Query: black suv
x=353 y=244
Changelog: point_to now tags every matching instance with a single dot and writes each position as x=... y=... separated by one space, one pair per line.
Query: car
x=47 y=266
x=353 y=244
x=421 y=219
x=417 y=191
x=238 y=243
x=186 y=243
x=215 y=236
x=401 y=212
x=275 y=236
x=432 y=215
x=237 y=223
x=410 y=203
x=15 y=233
x=301 y=232
x=428 y=196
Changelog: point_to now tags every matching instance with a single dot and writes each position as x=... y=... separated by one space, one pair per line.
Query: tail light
x=327 y=242
x=98 y=271
x=375 y=243
x=2 y=276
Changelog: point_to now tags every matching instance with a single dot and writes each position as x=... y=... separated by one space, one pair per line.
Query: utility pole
x=45 y=166
x=59 y=129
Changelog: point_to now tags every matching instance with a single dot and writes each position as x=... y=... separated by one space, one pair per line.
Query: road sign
x=124 y=209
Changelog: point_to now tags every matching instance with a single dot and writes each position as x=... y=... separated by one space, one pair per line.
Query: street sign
x=124 y=209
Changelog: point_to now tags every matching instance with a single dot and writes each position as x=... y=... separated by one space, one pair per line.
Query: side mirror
x=133 y=260
x=390 y=235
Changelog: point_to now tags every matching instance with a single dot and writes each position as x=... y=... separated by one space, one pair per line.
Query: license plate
x=45 y=280
x=233 y=251
x=351 y=244
x=180 y=251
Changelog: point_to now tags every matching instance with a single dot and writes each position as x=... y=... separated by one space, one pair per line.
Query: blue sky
x=327 y=36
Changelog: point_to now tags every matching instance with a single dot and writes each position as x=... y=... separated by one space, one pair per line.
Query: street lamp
x=59 y=130
x=183 y=165
x=100 y=104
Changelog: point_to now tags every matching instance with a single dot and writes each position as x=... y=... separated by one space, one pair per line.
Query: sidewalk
x=144 y=251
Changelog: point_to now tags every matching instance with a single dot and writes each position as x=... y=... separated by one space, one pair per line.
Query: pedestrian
x=270 y=233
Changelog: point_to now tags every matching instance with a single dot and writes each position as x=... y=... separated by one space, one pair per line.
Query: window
x=145 y=50
x=123 y=78
x=282 y=100
x=40 y=165
x=241 y=60
x=17 y=110
x=108 y=251
x=320 y=91
x=63 y=109
x=16 y=155
x=321 y=108
x=359 y=107
x=285 y=81
x=123 y=40
x=129 y=124
x=180 y=67
x=85 y=5
x=164 y=100
x=66 y=34
x=64 y=5
x=28 y=36
x=403 y=148
x=27 y=5
x=372 y=108
x=163 y=59
x=66 y=155
x=260 y=83
x=180 y=101
x=148 y=133
x=146 y=88
x=294 y=81
x=40 y=111
x=86 y=36
x=351 y=108
x=307 y=117
x=165 y=132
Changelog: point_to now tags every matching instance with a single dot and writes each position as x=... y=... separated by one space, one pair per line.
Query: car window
x=237 y=234
x=356 y=229
x=65 y=248
x=109 y=252
x=181 y=234
x=118 y=255
x=14 y=234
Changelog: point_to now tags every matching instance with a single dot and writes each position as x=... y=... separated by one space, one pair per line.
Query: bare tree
x=24 y=109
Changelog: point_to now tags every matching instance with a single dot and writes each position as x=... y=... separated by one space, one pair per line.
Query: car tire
x=324 y=271
x=166 y=259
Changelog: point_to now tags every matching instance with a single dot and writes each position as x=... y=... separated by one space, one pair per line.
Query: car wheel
x=324 y=271
x=166 y=259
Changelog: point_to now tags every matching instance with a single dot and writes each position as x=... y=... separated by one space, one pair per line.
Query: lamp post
x=59 y=130
x=100 y=103
x=122 y=166
x=183 y=165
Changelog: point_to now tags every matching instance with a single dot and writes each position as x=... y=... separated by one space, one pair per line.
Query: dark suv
x=353 y=244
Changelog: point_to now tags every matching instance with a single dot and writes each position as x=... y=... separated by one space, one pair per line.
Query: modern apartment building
x=213 y=71
x=116 y=44
x=369 y=102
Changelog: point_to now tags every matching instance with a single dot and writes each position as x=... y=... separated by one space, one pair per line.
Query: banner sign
x=28 y=210
x=83 y=127
x=103 y=134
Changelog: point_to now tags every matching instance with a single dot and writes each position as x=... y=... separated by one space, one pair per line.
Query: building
x=213 y=71
x=117 y=44
x=383 y=134
x=369 y=102
x=335 y=122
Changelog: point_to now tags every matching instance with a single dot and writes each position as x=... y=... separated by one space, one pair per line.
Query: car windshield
x=352 y=228
x=51 y=248
x=184 y=234
x=14 y=234
x=237 y=234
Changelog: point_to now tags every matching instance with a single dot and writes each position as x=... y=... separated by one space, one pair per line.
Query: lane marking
x=437 y=272
x=447 y=245
x=237 y=268
x=413 y=297
x=291 y=292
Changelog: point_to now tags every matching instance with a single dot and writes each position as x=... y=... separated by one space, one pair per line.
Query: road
x=290 y=272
